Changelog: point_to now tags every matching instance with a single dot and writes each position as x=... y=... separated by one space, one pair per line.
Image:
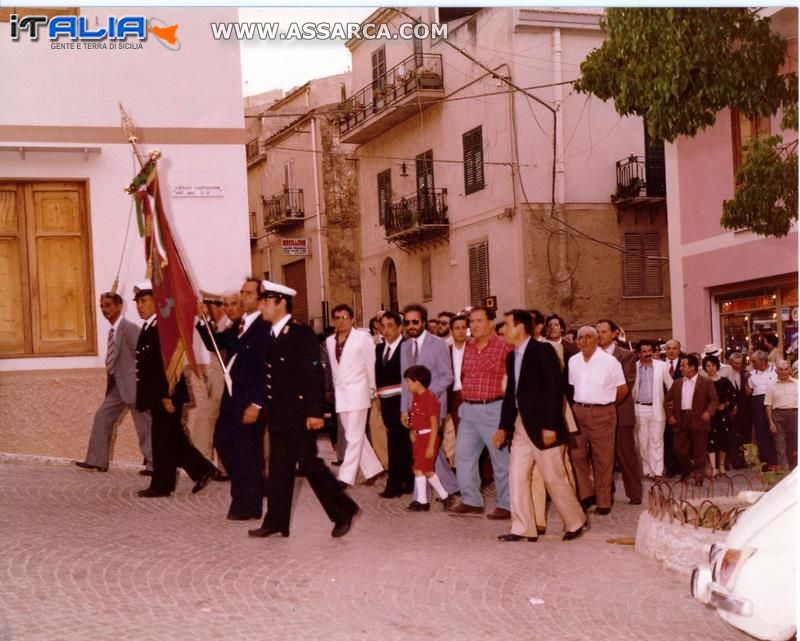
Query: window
x=384 y=195
x=427 y=279
x=473 y=160
x=745 y=129
x=478 y=272
x=379 y=69
x=640 y=276
x=426 y=195
x=45 y=271
x=288 y=174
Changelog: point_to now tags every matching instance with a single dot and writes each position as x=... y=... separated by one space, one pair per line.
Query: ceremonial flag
x=172 y=288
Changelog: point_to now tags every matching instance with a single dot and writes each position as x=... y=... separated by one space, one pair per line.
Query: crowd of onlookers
x=461 y=400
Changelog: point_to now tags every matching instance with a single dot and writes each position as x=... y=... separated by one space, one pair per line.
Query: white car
x=752 y=579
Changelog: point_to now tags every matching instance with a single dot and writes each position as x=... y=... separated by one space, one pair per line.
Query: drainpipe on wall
x=562 y=269
x=515 y=175
x=318 y=215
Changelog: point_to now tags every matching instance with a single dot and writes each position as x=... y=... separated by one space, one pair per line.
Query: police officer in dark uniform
x=171 y=447
x=295 y=395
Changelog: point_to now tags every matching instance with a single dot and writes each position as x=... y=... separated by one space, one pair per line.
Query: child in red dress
x=423 y=421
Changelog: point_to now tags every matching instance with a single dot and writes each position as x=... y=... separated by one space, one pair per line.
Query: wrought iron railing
x=418 y=71
x=283 y=206
x=637 y=176
x=424 y=207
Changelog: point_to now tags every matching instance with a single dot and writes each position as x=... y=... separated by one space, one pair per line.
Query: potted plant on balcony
x=429 y=79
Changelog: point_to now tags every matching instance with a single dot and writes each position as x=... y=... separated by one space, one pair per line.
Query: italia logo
x=77 y=28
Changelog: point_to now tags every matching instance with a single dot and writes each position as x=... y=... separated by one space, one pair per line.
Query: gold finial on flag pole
x=129 y=129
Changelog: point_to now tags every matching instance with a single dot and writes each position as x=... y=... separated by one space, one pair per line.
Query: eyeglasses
x=412 y=322
x=344 y=317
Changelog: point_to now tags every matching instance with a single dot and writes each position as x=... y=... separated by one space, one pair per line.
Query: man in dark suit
x=690 y=404
x=171 y=447
x=295 y=390
x=624 y=444
x=120 y=390
x=532 y=417
x=239 y=432
x=388 y=380
x=673 y=354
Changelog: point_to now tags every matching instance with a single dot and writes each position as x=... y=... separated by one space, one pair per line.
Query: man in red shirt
x=482 y=373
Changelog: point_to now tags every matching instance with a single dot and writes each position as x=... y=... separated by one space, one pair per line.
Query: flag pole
x=129 y=129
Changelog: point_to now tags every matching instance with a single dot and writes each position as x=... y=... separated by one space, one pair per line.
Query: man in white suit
x=652 y=380
x=120 y=390
x=352 y=358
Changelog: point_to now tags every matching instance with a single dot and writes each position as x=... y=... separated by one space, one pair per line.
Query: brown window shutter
x=478 y=272
x=427 y=279
x=473 y=160
x=12 y=250
x=384 y=195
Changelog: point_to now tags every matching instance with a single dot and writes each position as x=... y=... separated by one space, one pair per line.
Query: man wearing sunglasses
x=423 y=348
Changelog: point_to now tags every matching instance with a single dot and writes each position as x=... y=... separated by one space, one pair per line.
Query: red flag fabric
x=172 y=288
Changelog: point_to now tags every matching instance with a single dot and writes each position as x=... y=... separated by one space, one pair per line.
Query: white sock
x=420 y=490
x=436 y=484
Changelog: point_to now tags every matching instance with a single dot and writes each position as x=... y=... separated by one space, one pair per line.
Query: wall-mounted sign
x=197 y=191
x=490 y=302
x=294 y=247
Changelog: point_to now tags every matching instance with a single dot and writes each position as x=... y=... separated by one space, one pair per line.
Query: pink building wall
x=705 y=257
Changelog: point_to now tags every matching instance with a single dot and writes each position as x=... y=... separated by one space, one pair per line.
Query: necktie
x=386 y=355
x=240 y=331
x=671 y=368
x=414 y=351
x=111 y=354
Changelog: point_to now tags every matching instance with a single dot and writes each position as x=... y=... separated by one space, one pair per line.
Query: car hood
x=773 y=504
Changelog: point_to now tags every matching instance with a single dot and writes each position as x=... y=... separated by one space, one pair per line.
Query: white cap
x=712 y=350
x=142 y=288
x=276 y=289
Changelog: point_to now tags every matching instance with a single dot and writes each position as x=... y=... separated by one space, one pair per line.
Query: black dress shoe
x=635 y=501
x=588 y=502
x=145 y=472
x=220 y=477
x=517 y=537
x=390 y=494
x=569 y=536
x=602 y=511
x=342 y=526
x=203 y=481
x=540 y=530
x=343 y=485
x=337 y=463
x=150 y=493
x=263 y=532
x=87 y=466
x=416 y=506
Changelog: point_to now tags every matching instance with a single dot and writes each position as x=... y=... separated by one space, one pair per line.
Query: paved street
x=81 y=557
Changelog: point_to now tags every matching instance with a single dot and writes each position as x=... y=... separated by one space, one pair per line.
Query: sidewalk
x=82 y=557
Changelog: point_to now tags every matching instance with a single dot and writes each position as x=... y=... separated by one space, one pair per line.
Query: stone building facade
x=303 y=197
x=457 y=197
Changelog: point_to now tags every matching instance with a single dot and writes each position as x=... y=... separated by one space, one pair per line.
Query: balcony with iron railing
x=284 y=210
x=402 y=91
x=253 y=151
x=418 y=219
x=641 y=184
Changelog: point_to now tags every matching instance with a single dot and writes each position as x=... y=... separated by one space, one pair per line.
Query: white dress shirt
x=458 y=360
x=390 y=348
x=279 y=325
x=151 y=321
x=597 y=379
x=687 y=392
x=248 y=320
x=760 y=381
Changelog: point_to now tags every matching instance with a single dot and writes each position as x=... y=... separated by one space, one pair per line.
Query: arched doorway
x=389 y=298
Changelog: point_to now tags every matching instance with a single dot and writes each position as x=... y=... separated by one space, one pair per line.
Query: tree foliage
x=677 y=68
